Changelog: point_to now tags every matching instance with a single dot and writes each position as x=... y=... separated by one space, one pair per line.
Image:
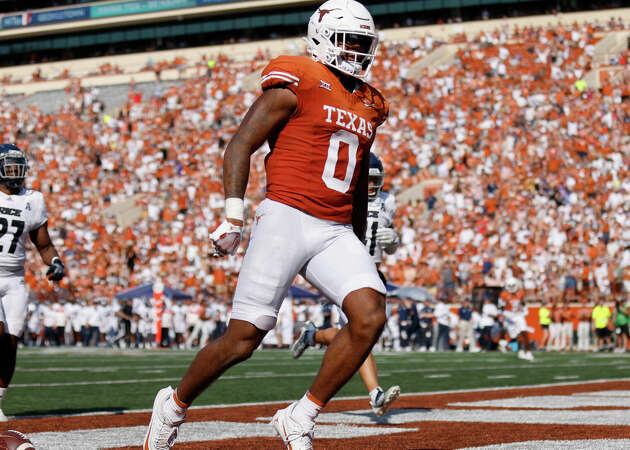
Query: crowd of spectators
x=126 y=323
x=439 y=326
x=425 y=326
x=525 y=168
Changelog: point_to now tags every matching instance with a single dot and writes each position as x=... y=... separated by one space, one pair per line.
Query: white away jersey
x=381 y=213
x=19 y=214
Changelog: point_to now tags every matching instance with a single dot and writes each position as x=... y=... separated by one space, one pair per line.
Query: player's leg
x=369 y=373
x=343 y=272
x=13 y=311
x=325 y=337
x=365 y=309
x=265 y=277
x=8 y=350
x=525 y=346
x=236 y=345
x=380 y=400
x=196 y=330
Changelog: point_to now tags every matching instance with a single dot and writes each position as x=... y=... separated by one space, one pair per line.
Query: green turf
x=49 y=381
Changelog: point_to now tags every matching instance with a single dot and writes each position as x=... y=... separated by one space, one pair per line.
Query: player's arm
x=48 y=252
x=265 y=118
x=360 y=201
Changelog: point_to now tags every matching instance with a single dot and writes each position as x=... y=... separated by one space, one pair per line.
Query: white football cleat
x=525 y=355
x=384 y=400
x=162 y=431
x=294 y=435
x=3 y=418
x=302 y=342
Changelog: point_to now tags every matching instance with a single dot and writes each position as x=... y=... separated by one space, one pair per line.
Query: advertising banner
x=137 y=7
x=100 y=11
x=214 y=2
x=59 y=15
x=15 y=20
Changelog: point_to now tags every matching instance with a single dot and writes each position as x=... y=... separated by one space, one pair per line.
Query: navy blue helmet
x=376 y=177
x=13 y=166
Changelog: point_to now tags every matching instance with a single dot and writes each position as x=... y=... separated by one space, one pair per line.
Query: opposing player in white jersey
x=380 y=236
x=22 y=213
x=179 y=310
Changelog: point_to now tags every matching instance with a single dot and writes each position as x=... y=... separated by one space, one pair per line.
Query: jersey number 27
x=4 y=227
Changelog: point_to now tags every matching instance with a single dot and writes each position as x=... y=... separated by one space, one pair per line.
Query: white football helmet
x=341 y=34
x=512 y=285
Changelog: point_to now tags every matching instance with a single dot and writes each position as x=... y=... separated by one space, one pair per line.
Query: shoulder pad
x=294 y=72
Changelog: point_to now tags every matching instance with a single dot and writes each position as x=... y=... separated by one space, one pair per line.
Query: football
x=14 y=440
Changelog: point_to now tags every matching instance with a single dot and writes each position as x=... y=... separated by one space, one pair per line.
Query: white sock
x=175 y=408
x=374 y=394
x=2 y=392
x=307 y=409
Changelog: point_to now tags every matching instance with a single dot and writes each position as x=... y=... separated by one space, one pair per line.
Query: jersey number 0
x=336 y=139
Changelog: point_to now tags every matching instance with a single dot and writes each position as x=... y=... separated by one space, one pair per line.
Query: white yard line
x=609 y=399
x=618 y=417
x=595 y=444
x=339 y=425
x=189 y=432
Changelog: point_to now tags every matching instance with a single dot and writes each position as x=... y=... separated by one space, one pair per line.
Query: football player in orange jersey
x=319 y=117
x=514 y=314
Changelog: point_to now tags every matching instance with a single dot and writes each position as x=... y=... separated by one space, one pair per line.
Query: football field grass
x=63 y=381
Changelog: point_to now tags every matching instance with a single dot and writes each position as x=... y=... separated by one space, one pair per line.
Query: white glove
x=386 y=236
x=226 y=238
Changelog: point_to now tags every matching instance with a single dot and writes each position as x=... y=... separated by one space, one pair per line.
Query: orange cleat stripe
x=146 y=441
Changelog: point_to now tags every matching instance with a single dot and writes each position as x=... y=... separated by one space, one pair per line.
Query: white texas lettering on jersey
x=381 y=213
x=19 y=214
x=349 y=121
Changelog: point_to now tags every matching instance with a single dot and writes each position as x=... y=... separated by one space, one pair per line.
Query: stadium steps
x=442 y=57
x=126 y=212
x=611 y=45
x=134 y=66
x=113 y=97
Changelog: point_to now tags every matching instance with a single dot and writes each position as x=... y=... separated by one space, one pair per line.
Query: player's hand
x=386 y=236
x=226 y=238
x=56 y=271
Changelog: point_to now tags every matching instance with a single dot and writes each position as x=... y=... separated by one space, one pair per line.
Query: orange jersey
x=513 y=302
x=316 y=158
